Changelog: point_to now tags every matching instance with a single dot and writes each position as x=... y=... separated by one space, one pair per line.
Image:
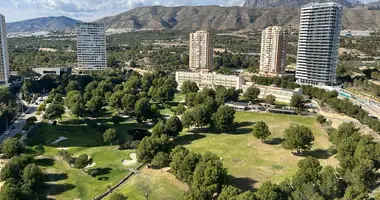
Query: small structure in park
x=239 y=106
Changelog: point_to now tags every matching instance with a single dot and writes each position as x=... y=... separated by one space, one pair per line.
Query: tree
x=75 y=102
x=252 y=93
x=308 y=171
x=161 y=160
x=10 y=190
x=73 y=85
x=224 y=118
x=321 y=119
x=189 y=86
x=180 y=109
x=268 y=191
x=117 y=196
x=210 y=173
x=12 y=146
x=142 y=109
x=54 y=111
x=201 y=116
x=188 y=119
x=150 y=146
x=95 y=105
x=31 y=120
x=82 y=161
x=229 y=192
x=115 y=100
x=159 y=129
x=109 y=135
x=261 y=131
x=296 y=101
x=173 y=126
x=270 y=99
x=32 y=174
x=183 y=163
x=330 y=185
x=39 y=149
x=128 y=101
x=298 y=137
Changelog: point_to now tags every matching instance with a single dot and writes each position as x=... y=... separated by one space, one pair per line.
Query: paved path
x=20 y=121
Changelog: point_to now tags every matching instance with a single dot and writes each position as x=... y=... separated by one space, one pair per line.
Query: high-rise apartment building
x=273 y=51
x=91 y=47
x=318 y=43
x=4 y=58
x=201 y=51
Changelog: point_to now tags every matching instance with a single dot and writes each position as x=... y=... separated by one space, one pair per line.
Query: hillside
x=41 y=24
x=227 y=18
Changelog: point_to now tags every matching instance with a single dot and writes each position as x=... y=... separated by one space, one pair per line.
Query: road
x=17 y=125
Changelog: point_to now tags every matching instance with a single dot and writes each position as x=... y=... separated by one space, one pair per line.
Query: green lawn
x=162 y=185
x=70 y=183
x=249 y=161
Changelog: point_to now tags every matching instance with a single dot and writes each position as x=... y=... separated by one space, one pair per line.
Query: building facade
x=209 y=80
x=4 y=57
x=273 y=51
x=201 y=51
x=91 y=47
x=281 y=94
x=318 y=43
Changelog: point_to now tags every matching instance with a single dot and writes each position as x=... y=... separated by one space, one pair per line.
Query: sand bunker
x=60 y=139
x=132 y=161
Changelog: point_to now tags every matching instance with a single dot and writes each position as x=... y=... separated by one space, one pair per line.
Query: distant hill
x=294 y=3
x=370 y=6
x=41 y=24
x=227 y=18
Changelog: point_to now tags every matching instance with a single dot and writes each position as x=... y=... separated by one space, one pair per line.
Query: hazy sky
x=88 y=10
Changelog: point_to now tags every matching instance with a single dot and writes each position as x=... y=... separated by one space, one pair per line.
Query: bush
x=38 y=113
x=93 y=172
x=116 y=119
x=332 y=150
x=39 y=149
x=321 y=119
x=67 y=157
x=180 y=109
x=129 y=145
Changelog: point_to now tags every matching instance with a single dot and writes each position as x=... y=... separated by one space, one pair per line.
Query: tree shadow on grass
x=103 y=178
x=240 y=131
x=188 y=139
x=57 y=189
x=317 y=153
x=243 y=124
x=102 y=171
x=275 y=141
x=45 y=162
x=73 y=121
x=244 y=183
x=56 y=177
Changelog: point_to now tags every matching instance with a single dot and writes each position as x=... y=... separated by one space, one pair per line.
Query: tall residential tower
x=4 y=60
x=318 y=43
x=91 y=47
x=201 y=51
x=273 y=51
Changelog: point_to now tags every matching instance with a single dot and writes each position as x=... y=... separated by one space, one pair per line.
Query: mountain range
x=41 y=24
x=255 y=14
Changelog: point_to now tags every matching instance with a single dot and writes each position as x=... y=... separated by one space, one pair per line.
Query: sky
x=89 y=10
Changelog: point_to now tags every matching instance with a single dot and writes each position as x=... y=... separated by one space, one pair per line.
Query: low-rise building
x=281 y=94
x=238 y=106
x=52 y=70
x=210 y=80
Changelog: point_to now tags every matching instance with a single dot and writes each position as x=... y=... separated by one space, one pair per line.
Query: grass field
x=248 y=160
x=70 y=183
x=162 y=185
